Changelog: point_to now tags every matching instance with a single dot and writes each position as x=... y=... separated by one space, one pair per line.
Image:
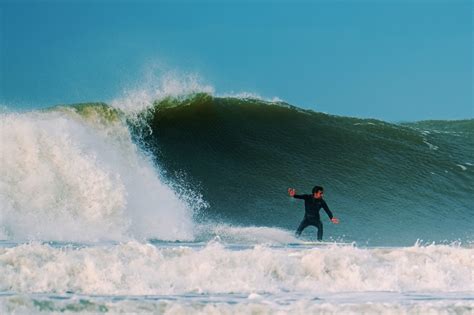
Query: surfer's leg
x=302 y=226
x=319 y=225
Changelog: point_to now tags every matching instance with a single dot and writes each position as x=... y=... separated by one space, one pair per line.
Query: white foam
x=251 y=95
x=63 y=177
x=21 y=304
x=364 y=124
x=462 y=167
x=431 y=146
x=142 y=269
x=245 y=235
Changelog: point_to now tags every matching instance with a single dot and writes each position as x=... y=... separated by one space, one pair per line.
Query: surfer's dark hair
x=317 y=188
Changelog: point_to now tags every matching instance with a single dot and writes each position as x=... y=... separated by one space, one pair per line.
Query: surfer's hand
x=291 y=192
x=335 y=220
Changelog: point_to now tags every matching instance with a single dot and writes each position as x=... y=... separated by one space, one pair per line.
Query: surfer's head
x=318 y=192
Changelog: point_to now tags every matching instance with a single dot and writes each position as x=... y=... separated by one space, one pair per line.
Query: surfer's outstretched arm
x=299 y=196
x=329 y=213
x=292 y=193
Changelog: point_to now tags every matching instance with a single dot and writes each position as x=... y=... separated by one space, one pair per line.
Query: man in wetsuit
x=312 y=204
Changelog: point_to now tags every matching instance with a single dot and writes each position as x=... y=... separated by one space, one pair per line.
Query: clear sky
x=392 y=60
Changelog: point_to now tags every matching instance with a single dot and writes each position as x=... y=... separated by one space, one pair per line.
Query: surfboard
x=319 y=243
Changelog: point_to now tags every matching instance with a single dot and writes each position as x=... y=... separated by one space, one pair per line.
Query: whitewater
x=63 y=178
x=96 y=217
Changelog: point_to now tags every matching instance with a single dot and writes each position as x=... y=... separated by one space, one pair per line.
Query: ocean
x=180 y=206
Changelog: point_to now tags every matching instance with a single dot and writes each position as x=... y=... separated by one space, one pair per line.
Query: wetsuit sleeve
x=326 y=208
x=300 y=197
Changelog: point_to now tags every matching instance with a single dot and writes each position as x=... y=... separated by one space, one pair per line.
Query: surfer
x=312 y=204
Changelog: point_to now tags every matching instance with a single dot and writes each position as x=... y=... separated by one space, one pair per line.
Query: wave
x=389 y=183
x=74 y=173
x=143 y=269
x=169 y=169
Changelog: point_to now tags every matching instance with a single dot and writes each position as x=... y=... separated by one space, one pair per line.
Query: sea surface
x=179 y=205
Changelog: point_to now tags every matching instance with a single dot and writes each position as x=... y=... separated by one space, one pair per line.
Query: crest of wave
x=67 y=177
x=170 y=84
x=155 y=88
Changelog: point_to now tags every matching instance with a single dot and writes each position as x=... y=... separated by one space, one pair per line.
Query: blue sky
x=392 y=60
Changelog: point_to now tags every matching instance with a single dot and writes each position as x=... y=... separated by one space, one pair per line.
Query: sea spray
x=66 y=175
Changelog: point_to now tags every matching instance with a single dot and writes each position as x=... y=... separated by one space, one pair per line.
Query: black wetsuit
x=311 y=216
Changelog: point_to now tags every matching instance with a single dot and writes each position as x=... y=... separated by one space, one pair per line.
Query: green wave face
x=98 y=113
x=388 y=183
